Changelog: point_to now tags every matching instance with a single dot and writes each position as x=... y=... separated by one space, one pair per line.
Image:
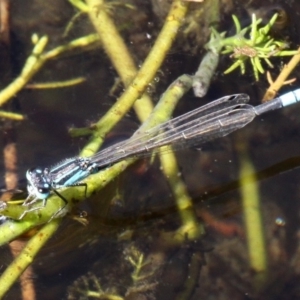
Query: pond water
x=147 y=235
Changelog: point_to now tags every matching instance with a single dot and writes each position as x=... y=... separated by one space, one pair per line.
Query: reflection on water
x=127 y=248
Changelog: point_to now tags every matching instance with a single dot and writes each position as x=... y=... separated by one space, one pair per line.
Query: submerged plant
x=252 y=43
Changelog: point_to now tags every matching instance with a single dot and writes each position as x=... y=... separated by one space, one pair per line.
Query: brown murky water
x=125 y=250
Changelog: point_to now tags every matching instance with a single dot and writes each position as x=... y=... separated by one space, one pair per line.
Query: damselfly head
x=38 y=185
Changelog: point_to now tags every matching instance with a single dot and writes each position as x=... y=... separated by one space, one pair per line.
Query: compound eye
x=33 y=172
x=43 y=192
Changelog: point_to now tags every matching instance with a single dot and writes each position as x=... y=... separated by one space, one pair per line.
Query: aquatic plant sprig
x=258 y=46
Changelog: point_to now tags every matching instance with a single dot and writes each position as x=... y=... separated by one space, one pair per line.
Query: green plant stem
x=56 y=84
x=37 y=59
x=80 y=5
x=82 y=43
x=12 y=116
x=192 y=280
x=142 y=79
x=11 y=229
x=118 y=53
x=205 y=72
x=25 y=258
x=283 y=76
x=99 y=295
x=116 y=49
x=253 y=221
x=210 y=61
x=191 y=229
x=32 y=65
x=34 y=218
